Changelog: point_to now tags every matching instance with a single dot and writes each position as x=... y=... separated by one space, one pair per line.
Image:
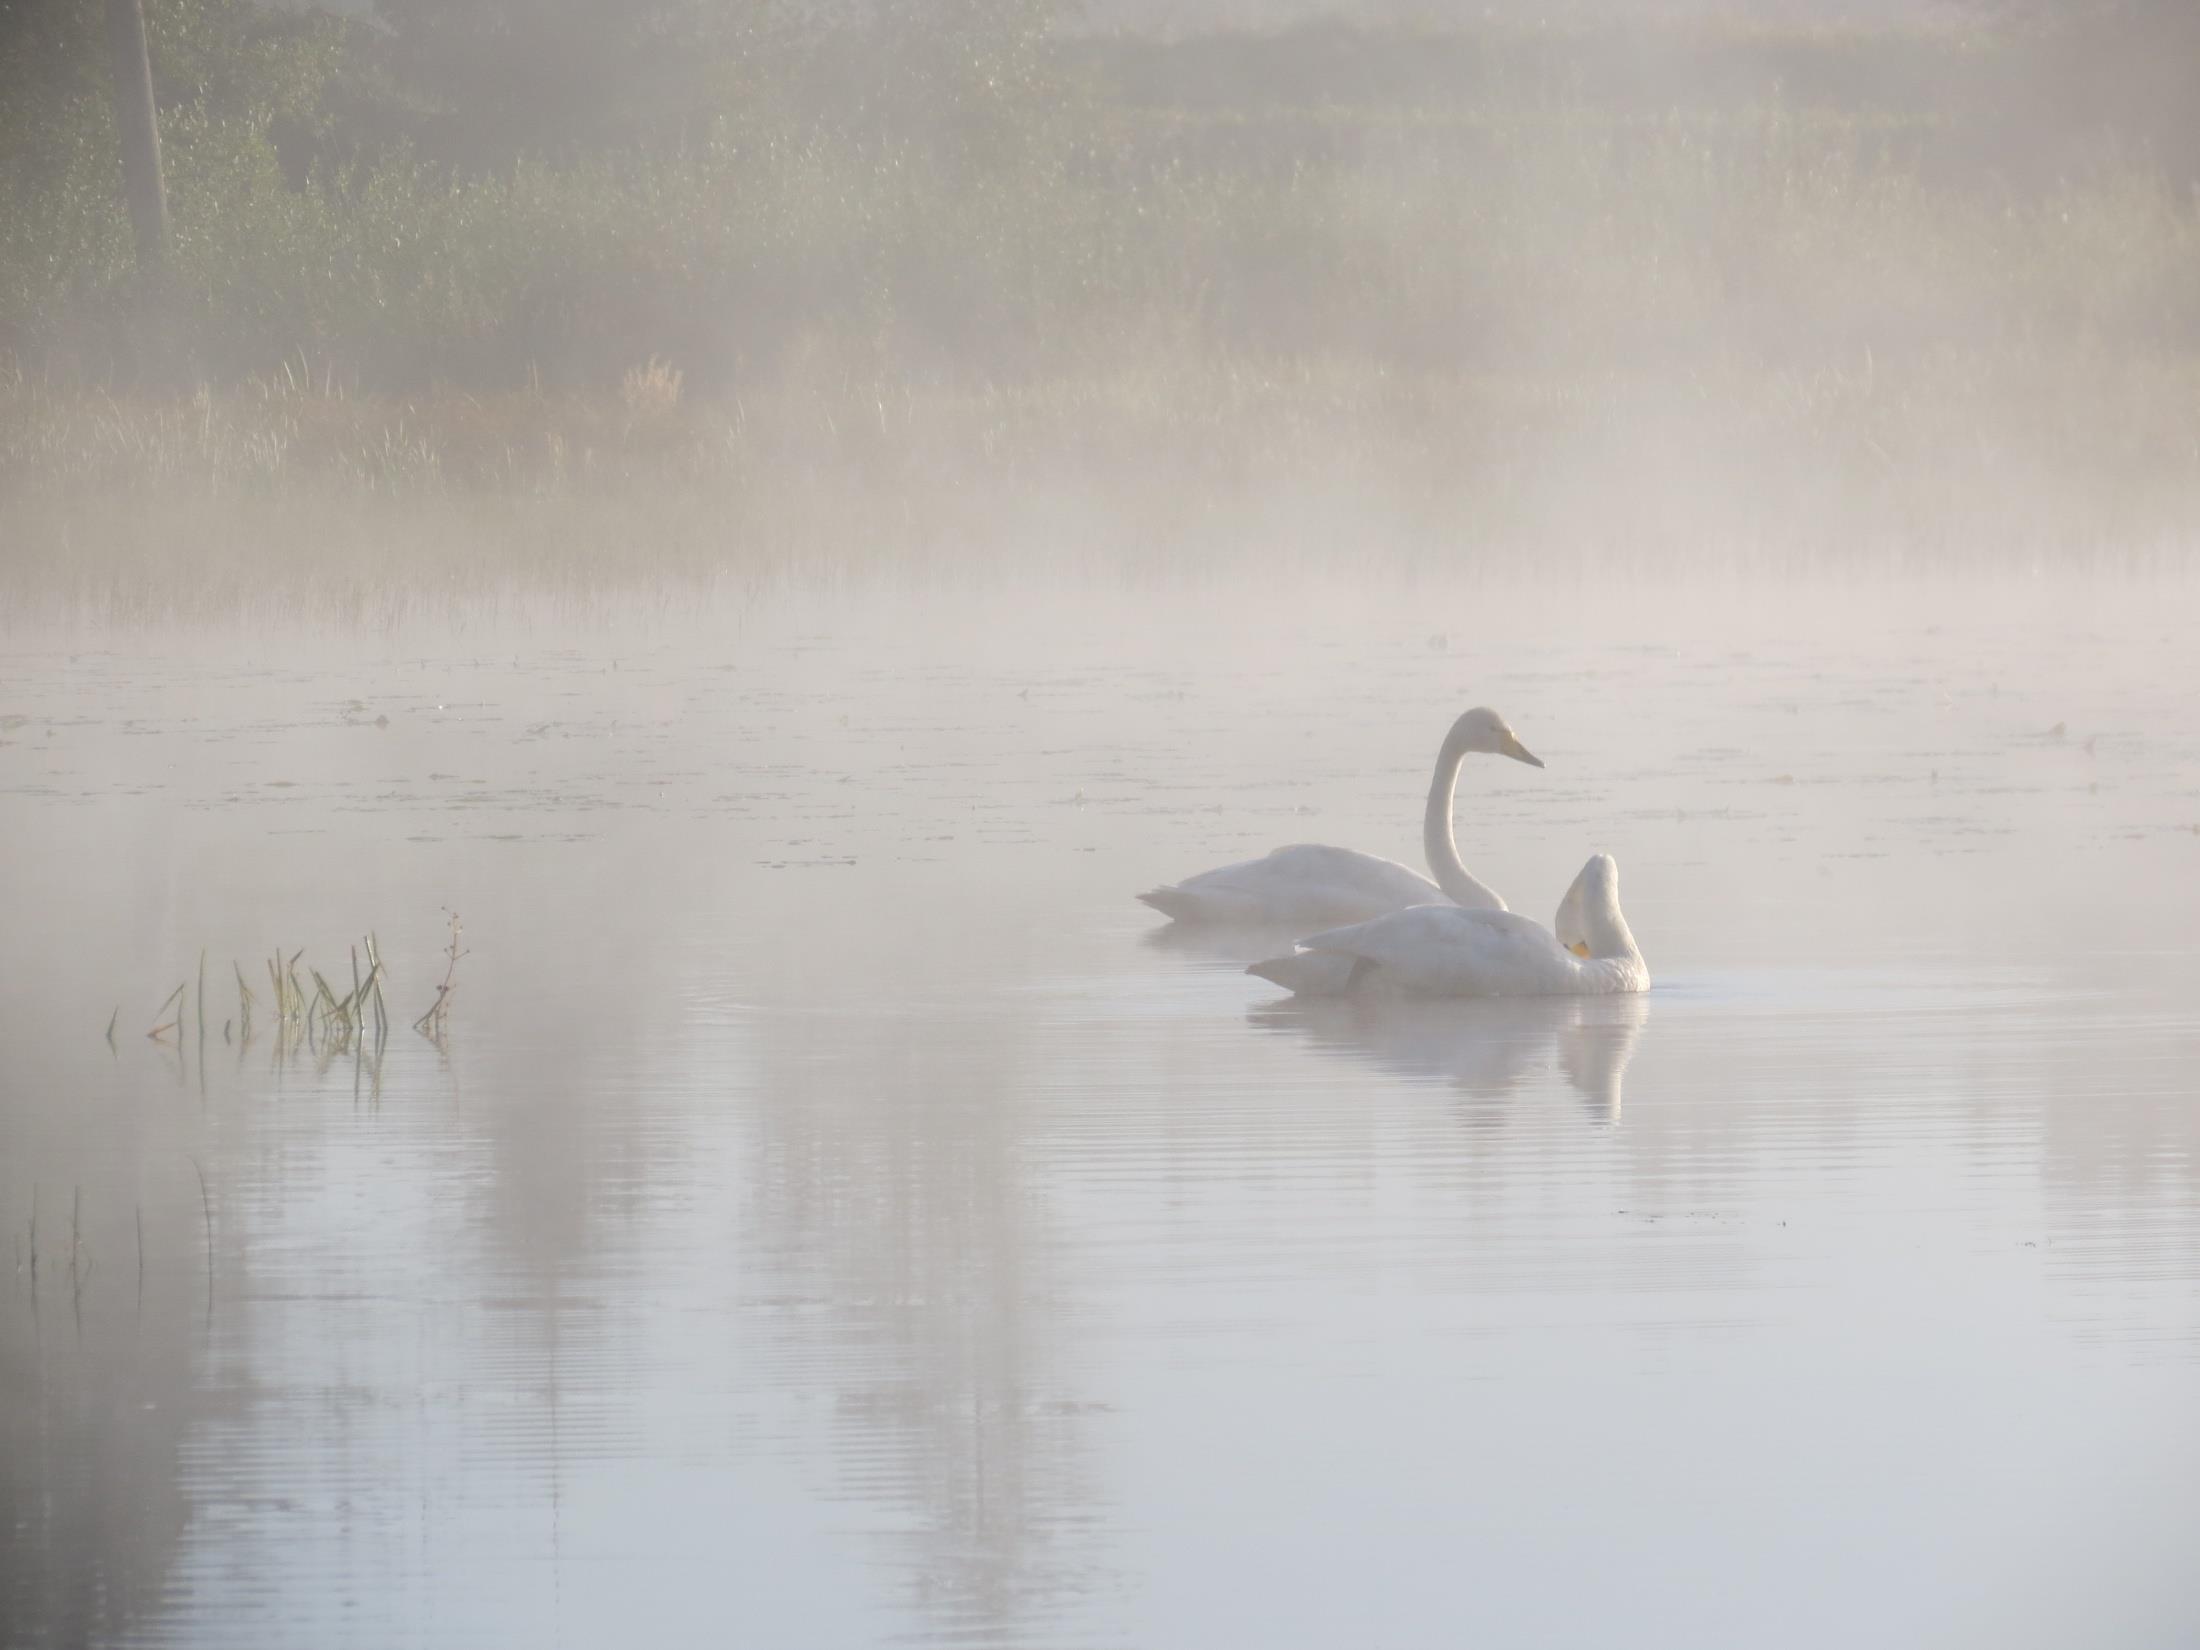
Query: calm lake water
x=835 y=1216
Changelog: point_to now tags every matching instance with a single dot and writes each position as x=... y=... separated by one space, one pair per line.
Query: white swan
x=1444 y=951
x=1311 y=883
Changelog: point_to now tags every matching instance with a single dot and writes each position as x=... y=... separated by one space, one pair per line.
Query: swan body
x=1448 y=951
x=1309 y=883
x=1312 y=884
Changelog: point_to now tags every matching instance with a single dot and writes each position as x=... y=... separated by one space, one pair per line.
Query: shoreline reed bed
x=226 y=500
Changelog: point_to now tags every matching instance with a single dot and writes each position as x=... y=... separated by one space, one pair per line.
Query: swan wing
x=1444 y=951
x=1307 y=882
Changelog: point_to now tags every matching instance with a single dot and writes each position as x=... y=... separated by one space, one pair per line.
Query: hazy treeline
x=1918 y=283
x=494 y=191
x=477 y=190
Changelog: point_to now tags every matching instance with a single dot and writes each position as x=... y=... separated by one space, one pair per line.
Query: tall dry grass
x=1182 y=465
x=1501 y=335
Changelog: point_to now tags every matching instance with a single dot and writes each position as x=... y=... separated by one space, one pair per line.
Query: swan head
x=1483 y=730
x=1596 y=888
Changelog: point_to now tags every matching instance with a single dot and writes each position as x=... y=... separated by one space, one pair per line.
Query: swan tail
x=1310 y=973
x=1174 y=903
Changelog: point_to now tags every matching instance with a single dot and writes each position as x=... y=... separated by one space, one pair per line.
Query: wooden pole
x=140 y=127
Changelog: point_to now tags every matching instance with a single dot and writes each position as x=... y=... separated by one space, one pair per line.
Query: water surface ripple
x=836 y=1216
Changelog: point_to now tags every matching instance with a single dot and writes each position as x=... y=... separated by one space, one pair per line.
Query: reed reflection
x=97 y=1335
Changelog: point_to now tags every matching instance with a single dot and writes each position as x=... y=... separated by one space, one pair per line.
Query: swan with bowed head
x=1447 y=951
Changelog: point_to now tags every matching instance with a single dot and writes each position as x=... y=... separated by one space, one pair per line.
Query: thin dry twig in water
x=159 y=1029
x=431 y=1024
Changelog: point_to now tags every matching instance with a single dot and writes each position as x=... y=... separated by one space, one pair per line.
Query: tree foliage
x=496 y=190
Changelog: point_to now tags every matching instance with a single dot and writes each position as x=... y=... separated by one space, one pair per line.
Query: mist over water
x=604 y=611
x=837 y=1214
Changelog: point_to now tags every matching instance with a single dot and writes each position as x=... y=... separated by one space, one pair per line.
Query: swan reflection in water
x=1485 y=1047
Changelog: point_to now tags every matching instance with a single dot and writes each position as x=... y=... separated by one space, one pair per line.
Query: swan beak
x=1580 y=948
x=1513 y=748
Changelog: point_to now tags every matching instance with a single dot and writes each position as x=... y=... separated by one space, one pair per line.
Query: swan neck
x=1439 y=844
x=1612 y=945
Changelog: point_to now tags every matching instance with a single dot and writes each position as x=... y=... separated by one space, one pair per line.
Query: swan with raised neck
x=1310 y=885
